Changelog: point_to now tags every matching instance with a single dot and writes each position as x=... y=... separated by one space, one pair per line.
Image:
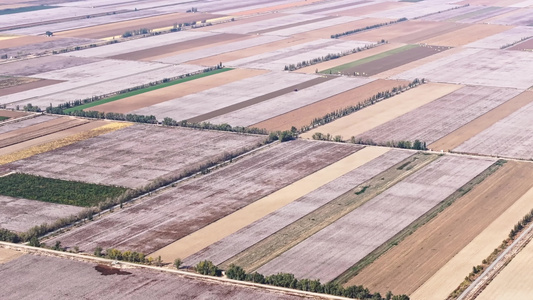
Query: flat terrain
x=7 y=255
x=134 y=156
x=466 y=35
x=177 y=212
x=405 y=267
x=59 y=277
x=384 y=111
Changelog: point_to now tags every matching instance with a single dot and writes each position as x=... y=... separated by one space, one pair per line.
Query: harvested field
x=7 y=255
x=415 y=10
x=484 y=14
x=11 y=114
x=332 y=250
x=527 y=45
x=456 y=14
x=437 y=119
x=290 y=25
x=326 y=32
x=20 y=41
x=481 y=123
x=412 y=31
x=407 y=266
x=387 y=60
x=43 y=64
x=33 y=48
x=366 y=9
x=384 y=111
x=242 y=218
x=7 y=82
x=288 y=102
x=183 y=89
x=317 y=8
x=447 y=278
x=118 y=28
x=470 y=66
x=180 y=211
x=120 y=159
x=231 y=114
x=519 y=17
x=213 y=99
x=372 y=161
x=294 y=30
x=265 y=24
x=11 y=126
x=509 y=137
x=38 y=130
x=466 y=35
x=21 y=214
x=304 y=115
x=27 y=86
x=275 y=8
x=66 y=278
x=52 y=144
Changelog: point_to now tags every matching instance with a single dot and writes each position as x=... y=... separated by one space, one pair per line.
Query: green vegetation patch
x=17 y=10
x=56 y=191
x=147 y=89
x=2 y=118
x=368 y=59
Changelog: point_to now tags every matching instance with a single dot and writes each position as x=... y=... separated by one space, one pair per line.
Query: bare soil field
x=11 y=126
x=519 y=17
x=242 y=218
x=437 y=119
x=454 y=14
x=36 y=48
x=484 y=14
x=447 y=278
x=21 y=41
x=43 y=64
x=22 y=214
x=263 y=31
x=304 y=115
x=11 y=114
x=7 y=81
x=180 y=211
x=489 y=2
x=384 y=111
x=466 y=35
x=393 y=61
x=326 y=32
x=264 y=24
x=470 y=67
x=180 y=90
x=7 y=255
x=369 y=9
x=242 y=21
x=25 y=84
x=407 y=266
x=114 y=29
x=503 y=39
x=313 y=26
x=290 y=101
x=328 y=253
x=415 y=10
x=372 y=161
x=527 y=45
x=469 y=130
x=275 y=8
x=119 y=159
x=501 y=139
x=67 y=278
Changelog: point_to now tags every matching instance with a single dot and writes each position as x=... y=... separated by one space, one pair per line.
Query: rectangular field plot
x=415 y=10
x=267 y=24
x=180 y=211
x=268 y=225
x=5 y=128
x=198 y=104
x=478 y=67
x=503 y=39
x=84 y=280
x=288 y=102
x=43 y=64
x=36 y=48
x=440 y=117
x=337 y=247
x=312 y=26
x=510 y=137
x=134 y=156
x=520 y=17
x=21 y=214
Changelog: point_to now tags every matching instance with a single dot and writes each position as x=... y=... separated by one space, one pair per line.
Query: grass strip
x=368 y=59
x=2 y=118
x=17 y=10
x=56 y=191
x=147 y=89
x=424 y=219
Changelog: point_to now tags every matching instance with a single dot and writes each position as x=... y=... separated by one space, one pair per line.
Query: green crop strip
x=145 y=90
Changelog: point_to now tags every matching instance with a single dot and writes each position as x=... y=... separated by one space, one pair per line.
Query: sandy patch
x=7 y=255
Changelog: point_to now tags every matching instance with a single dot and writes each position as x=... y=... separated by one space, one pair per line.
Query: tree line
x=337 y=35
x=329 y=56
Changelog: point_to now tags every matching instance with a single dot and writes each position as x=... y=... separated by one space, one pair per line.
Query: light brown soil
x=176 y=91
x=113 y=29
x=178 y=47
x=466 y=35
x=6 y=82
x=7 y=255
x=240 y=22
x=275 y=8
x=369 y=9
x=306 y=114
x=384 y=111
x=471 y=129
x=27 y=85
x=407 y=266
x=527 y=45
x=489 y=2
x=12 y=114
x=23 y=41
x=255 y=211
x=325 y=33
x=290 y=25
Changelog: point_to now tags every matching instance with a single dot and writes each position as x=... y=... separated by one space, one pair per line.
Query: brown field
x=264 y=206
x=38 y=130
x=384 y=111
x=447 y=278
x=325 y=33
x=178 y=47
x=348 y=58
x=241 y=21
x=275 y=8
x=7 y=82
x=22 y=41
x=369 y=9
x=33 y=84
x=12 y=114
x=306 y=114
x=407 y=266
x=466 y=35
x=490 y=2
x=177 y=212
x=291 y=25
x=176 y=91
x=7 y=255
x=332 y=7
x=483 y=122
x=526 y=45
x=113 y=29
x=234 y=55
x=54 y=277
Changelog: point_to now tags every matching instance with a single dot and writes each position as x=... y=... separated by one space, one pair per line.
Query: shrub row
x=337 y=35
